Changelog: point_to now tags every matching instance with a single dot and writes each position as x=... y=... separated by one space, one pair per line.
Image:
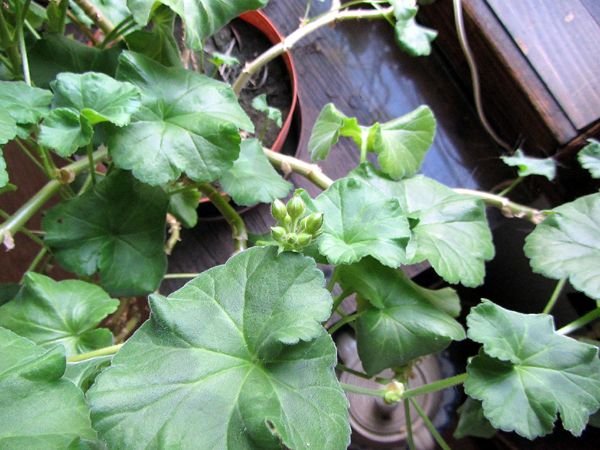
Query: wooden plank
x=560 y=40
x=593 y=7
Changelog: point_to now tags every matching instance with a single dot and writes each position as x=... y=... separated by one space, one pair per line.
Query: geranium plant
x=242 y=356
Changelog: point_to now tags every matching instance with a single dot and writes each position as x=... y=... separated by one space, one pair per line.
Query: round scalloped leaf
x=235 y=359
x=589 y=157
x=65 y=131
x=359 y=222
x=527 y=373
x=567 y=244
x=38 y=409
x=25 y=104
x=117 y=229
x=403 y=320
x=329 y=126
x=63 y=313
x=188 y=123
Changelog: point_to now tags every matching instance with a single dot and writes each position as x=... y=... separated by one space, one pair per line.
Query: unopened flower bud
x=312 y=223
x=304 y=239
x=296 y=207
x=278 y=233
x=278 y=210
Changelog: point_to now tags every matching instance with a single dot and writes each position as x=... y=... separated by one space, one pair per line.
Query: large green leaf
x=8 y=129
x=187 y=123
x=55 y=54
x=567 y=244
x=360 y=222
x=202 y=18
x=65 y=131
x=83 y=373
x=235 y=359
x=329 y=126
x=38 y=409
x=402 y=322
x=96 y=96
x=25 y=104
x=527 y=372
x=117 y=229
x=589 y=157
x=401 y=144
x=448 y=230
x=472 y=422
x=3 y=171
x=413 y=38
x=527 y=165
x=63 y=313
x=252 y=179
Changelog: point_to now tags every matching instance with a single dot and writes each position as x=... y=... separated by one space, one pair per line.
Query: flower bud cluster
x=294 y=231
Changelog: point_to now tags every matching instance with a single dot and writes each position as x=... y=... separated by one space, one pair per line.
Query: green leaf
x=260 y=104
x=527 y=372
x=448 y=230
x=401 y=144
x=8 y=291
x=66 y=313
x=197 y=119
x=38 y=409
x=158 y=43
x=252 y=179
x=97 y=97
x=55 y=54
x=83 y=373
x=65 y=131
x=589 y=157
x=413 y=38
x=8 y=130
x=472 y=422
x=329 y=126
x=567 y=244
x=531 y=166
x=118 y=229
x=402 y=322
x=202 y=18
x=183 y=206
x=3 y=172
x=25 y=104
x=359 y=222
x=235 y=359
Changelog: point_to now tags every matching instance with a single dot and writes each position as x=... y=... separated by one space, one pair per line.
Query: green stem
x=363 y=391
x=38 y=258
x=340 y=323
x=105 y=351
x=25 y=231
x=287 y=164
x=84 y=29
x=9 y=43
x=581 y=322
x=508 y=208
x=340 y=298
x=343 y=368
x=95 y=15
x=235 y=221
x=435 y=386
x=18 y=220
x=91 y=162
x=332 y=280
x=432 y=429
x=179 y=276
x=554 y=297
x=24 y=59
x=408 y=422
x=28 y=153
x=116 y=31
x=288 y=43
x=511 y=186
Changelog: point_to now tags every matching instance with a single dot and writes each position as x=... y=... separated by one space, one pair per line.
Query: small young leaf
x=472 y=422
x=413 y=38
x=401 y=144
x=96 y=96
x=183 y=206
x=197 y=119
x=252 y=179
x=403 y=322
x=329 y=126
x=244 y=339
x=25 y=104
x=589 y=157
x=38 y=409
x=66 y=313
x=531 y=166
x=567 y=244
x=527 y=372
x=65 y=131
x=449 y=230
x=260 y=104
x=221 y=59
x=118 y=229
x=54 y=54
x=360 y=222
